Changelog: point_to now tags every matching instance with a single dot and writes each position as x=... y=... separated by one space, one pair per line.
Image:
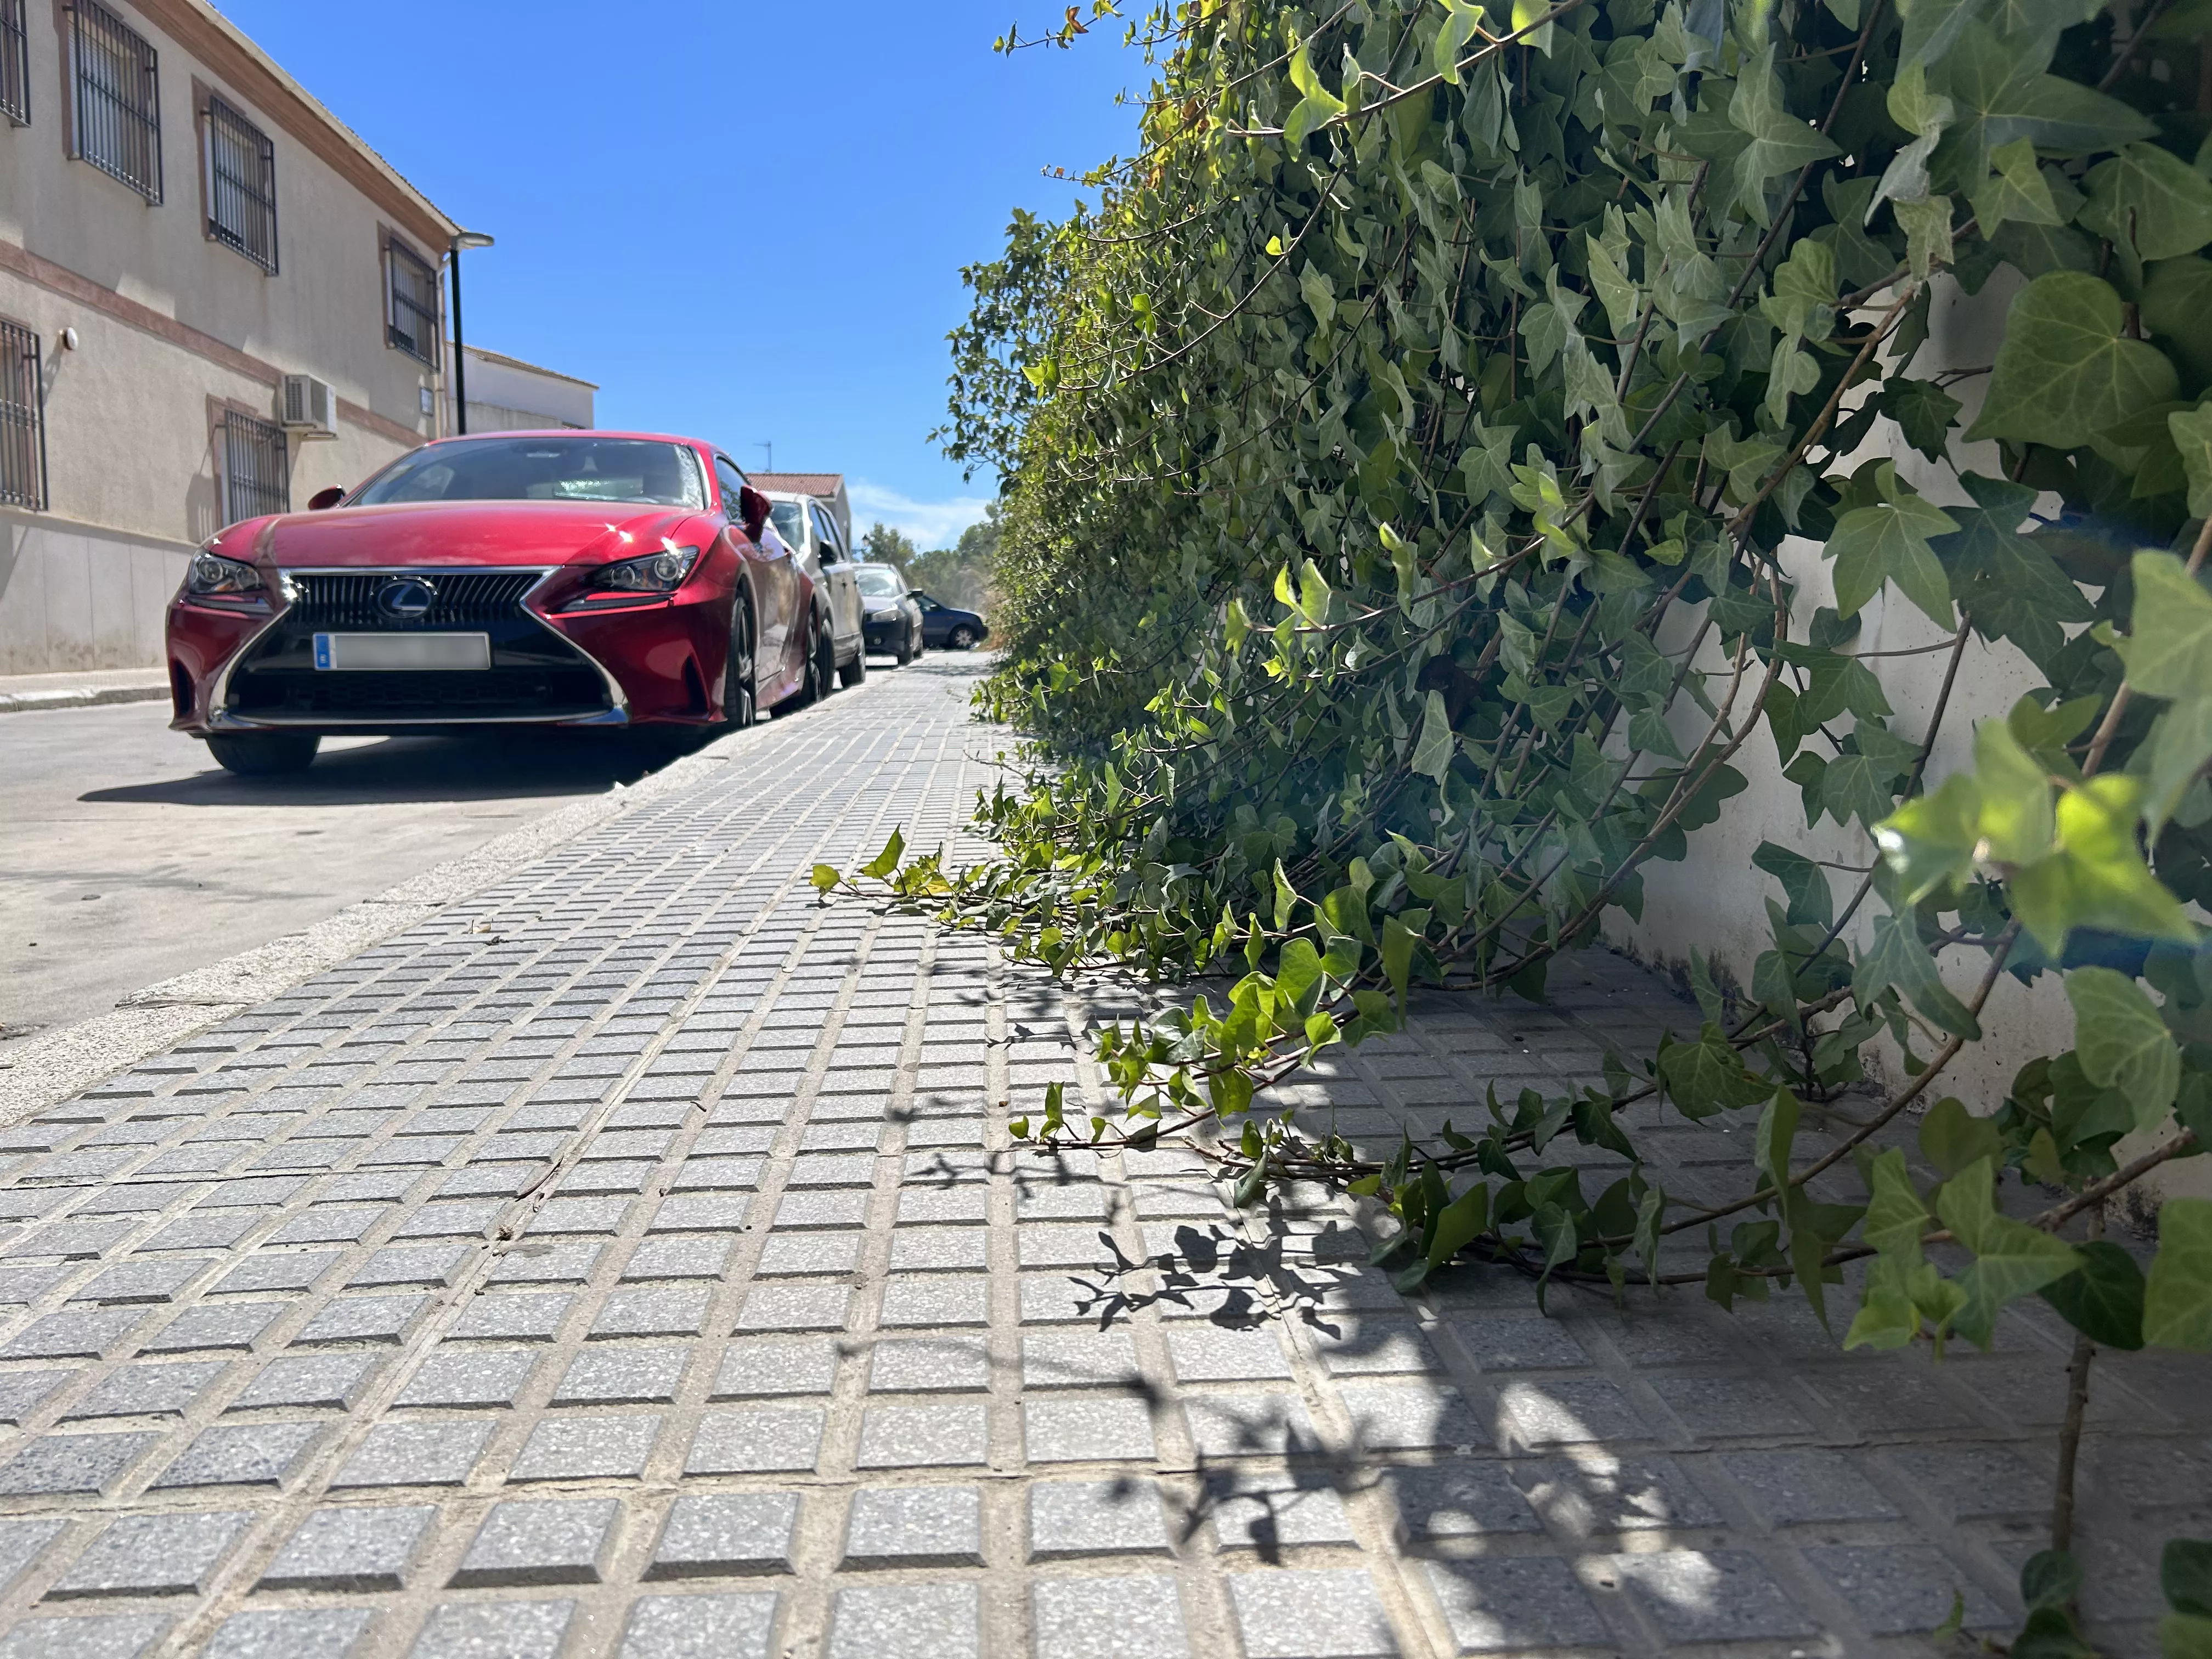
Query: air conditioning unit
x=307 y=406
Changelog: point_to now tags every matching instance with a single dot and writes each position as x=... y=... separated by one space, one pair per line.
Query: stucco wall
x=1715 y=899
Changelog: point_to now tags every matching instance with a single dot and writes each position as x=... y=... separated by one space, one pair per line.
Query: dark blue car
x=948 y=627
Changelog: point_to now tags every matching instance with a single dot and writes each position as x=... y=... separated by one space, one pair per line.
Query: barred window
x=14 y=64
x=118 y=98
x=412 y=320
x=22 y=420
x=241 y=184
x=255 y=479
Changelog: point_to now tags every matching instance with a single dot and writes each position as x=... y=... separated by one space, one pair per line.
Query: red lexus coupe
x=587 y=579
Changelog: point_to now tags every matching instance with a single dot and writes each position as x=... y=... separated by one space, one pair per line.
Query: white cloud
x=931 y=524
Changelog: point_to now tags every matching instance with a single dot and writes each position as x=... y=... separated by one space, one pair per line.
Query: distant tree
x=961 y=575
x=885 y=545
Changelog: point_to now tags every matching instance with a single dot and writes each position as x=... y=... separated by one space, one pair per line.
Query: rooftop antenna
x=771 y=455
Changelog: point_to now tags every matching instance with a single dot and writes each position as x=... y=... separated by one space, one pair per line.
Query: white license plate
x=360 y=650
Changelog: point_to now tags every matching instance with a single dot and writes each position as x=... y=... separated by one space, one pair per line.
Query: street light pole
x=464 y=240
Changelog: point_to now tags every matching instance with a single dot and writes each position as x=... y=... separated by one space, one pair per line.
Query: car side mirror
x=323 y=500
x=752 y=508
x=914 y=594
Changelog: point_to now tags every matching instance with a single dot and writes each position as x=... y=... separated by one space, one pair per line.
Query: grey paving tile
x=915 y=1526
x=1306 y=1614
x=1268 y=1509
x=1458 y=1498
x=1512 y=1605
x=1108 y=1618
x=1719 y=1595
x=1905 y=1589
x=124 y=1635
x=584 y=1448
x=241 y=1454
x=381 y=1319
x=1087 y=1428
x=21 y=1392
x=20 y=1543
x=331 y=1381
x=711 y=1534
x=1074 y=1520
x=1787 y=1486
x=486 y=1379
x=147 y=1390
x=152 y=1555
x=725 y=1626
x=623 y=1376
x=494 y=1630
x=930 y=1364
x=291 y=1633
x=522 y=1317
x=351 y=1548
x=936 y=1435
x=756 y=1440
x=543 y=1542
x=436 y=1452
x=905 y=1621
x=56 y=1464
x=763 y=1367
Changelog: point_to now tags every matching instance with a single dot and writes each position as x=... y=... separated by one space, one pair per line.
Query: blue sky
x=744 y=220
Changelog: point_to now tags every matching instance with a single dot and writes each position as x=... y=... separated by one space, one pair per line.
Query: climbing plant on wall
x=1404 y=457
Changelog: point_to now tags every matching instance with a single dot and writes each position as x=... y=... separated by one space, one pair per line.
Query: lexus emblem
x=406 y=598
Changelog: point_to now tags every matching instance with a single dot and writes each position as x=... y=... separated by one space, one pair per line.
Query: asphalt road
x=130 y=856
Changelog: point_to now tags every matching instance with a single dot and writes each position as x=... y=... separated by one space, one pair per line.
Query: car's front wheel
x=821 y=666
x=854 y=672
x=962 y=638
x=264 y=754
x=905 y=652
x=740 y=707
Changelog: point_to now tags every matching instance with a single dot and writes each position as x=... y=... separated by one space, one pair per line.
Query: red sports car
x=547 y=578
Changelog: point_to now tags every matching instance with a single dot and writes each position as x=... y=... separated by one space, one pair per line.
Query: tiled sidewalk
x=632 y=1261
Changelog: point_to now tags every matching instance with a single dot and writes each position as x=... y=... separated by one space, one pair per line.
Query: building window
x=118 y=98
x=241 y=184
x=14 y=64
x=412 y=323
x=255 y=479
x=22 y=420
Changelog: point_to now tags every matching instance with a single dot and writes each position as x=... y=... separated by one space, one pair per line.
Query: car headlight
x=211 y=576
x=654 y=573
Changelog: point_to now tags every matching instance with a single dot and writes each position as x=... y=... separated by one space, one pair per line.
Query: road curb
x=51 y=1067
x=31 y=702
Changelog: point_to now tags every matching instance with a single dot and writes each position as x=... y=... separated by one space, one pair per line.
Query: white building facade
x=184 y=232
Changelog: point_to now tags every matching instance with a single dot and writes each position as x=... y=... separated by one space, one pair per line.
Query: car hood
x=462 y=533
x=877 y=604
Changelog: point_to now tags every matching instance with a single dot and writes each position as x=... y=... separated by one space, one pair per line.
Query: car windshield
x=882 y=581
x=641 y=470
x=788 y=521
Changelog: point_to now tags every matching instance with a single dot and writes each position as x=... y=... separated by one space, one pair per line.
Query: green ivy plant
x=1399 y=458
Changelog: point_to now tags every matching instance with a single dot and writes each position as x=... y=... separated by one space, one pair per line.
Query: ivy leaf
x=1897 y=957
x=2178 y=1295
x=2177 y=296
x=2122 y=1043
x=2185 y=1574
x=2011 y=1259
x=2191 y=430
x=2102 y=1298
x=1862 y=782
x=2012 y=588
x=1460 y=21
x=887 y=860
x=1953 y=1139
x=2169 y=653
x=2066 y=371
x=2003 y=96
x=1459 y=1224
x=2097 y=878
x=2017 y=190
x=1432 y=753
x=2180 y=744
x=1923 y=413
x=1316 y=103
x=1930 y=841
x=2017 y=822
x=1888 y=542
x=1812 y=902
x=1780 y=142
x=1708 y=1076
x=1319 y=293
x=2150 y=197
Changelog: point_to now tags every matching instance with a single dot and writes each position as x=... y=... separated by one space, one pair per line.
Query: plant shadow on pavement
x=510 y=765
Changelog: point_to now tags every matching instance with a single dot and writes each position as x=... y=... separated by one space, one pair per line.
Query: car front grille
x=548 y=693
x=346 y=599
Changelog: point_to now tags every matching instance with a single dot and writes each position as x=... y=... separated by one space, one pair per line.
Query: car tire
x=905 y=653
x=856 y=671
x=740 y=701
x=264 y=754
x=962 y=638
x=820 y=667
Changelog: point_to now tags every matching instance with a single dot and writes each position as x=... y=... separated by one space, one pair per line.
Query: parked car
x=810 y=529
x=584 y=578
x=893 y=620
x=947 y=627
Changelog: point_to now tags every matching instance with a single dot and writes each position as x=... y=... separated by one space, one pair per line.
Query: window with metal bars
x=241 y=184
x=411 y=322
x=22 y=420
x=14 y=64
x=118 y=98
x=255 y=478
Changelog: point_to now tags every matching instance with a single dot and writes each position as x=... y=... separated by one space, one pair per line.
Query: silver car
x=812 y=531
